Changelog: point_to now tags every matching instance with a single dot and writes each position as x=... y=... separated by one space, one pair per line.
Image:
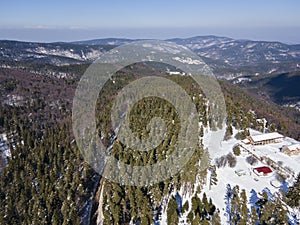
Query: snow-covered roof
x=246 y=141
x=294 y=147
x=268 y=136
x=240 y=172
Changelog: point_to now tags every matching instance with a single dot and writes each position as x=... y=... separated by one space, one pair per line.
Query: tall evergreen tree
x=172 y=212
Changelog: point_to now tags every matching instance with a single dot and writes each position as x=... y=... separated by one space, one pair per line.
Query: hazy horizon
x=66 y=35
x=51 y=21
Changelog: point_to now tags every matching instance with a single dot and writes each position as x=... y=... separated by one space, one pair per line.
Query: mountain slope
x=282 y=88
x=200 y=42
x=51 y=53
x=244 y=52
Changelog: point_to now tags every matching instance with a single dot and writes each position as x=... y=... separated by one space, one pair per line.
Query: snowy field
x=252 y=183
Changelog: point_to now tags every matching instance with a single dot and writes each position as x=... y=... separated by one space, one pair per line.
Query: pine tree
x=145 y=220
x=243 y=209
x=172 y=212
x=228 y=198
x=185 y=207
x=293 y=196
x=216 y=220
x=196 y=220
x=56 y=218
x=228 y=132
x=280 y=213
x=253 y=216
x=212 y=207
x=201 y=133
x=236 y=150
x=213 y=178
x=235 y=205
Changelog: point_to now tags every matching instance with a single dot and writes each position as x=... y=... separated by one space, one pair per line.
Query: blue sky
x=78 y=19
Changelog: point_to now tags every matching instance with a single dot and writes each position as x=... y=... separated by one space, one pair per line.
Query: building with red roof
x=291 y=149
x=262 y=171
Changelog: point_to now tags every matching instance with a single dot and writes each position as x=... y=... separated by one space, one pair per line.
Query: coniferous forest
x=47 y=181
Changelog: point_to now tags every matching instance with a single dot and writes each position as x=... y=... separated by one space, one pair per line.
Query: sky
x=66 y=20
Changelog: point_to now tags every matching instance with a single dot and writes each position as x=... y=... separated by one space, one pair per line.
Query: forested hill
x=285 y=119
x=281 y=88
x=55 y=186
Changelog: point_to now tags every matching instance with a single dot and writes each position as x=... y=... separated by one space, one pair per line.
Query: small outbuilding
x=246 y=141
x=291 y=149
x=262 y=171
x=240 y=172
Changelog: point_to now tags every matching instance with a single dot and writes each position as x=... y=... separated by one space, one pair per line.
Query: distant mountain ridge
x=234 y=52
x=181 y=41
x=107 y=41
x=58 y=53
x=228 y=57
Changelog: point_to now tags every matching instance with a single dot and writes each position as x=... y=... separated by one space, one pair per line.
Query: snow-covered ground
x=4 y=151
x=242 y=80
x=293 y=105
x=4 y=148
x=250 y=181
x=14 y=100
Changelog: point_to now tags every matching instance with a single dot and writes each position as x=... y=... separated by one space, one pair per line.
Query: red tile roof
x=263 y=169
